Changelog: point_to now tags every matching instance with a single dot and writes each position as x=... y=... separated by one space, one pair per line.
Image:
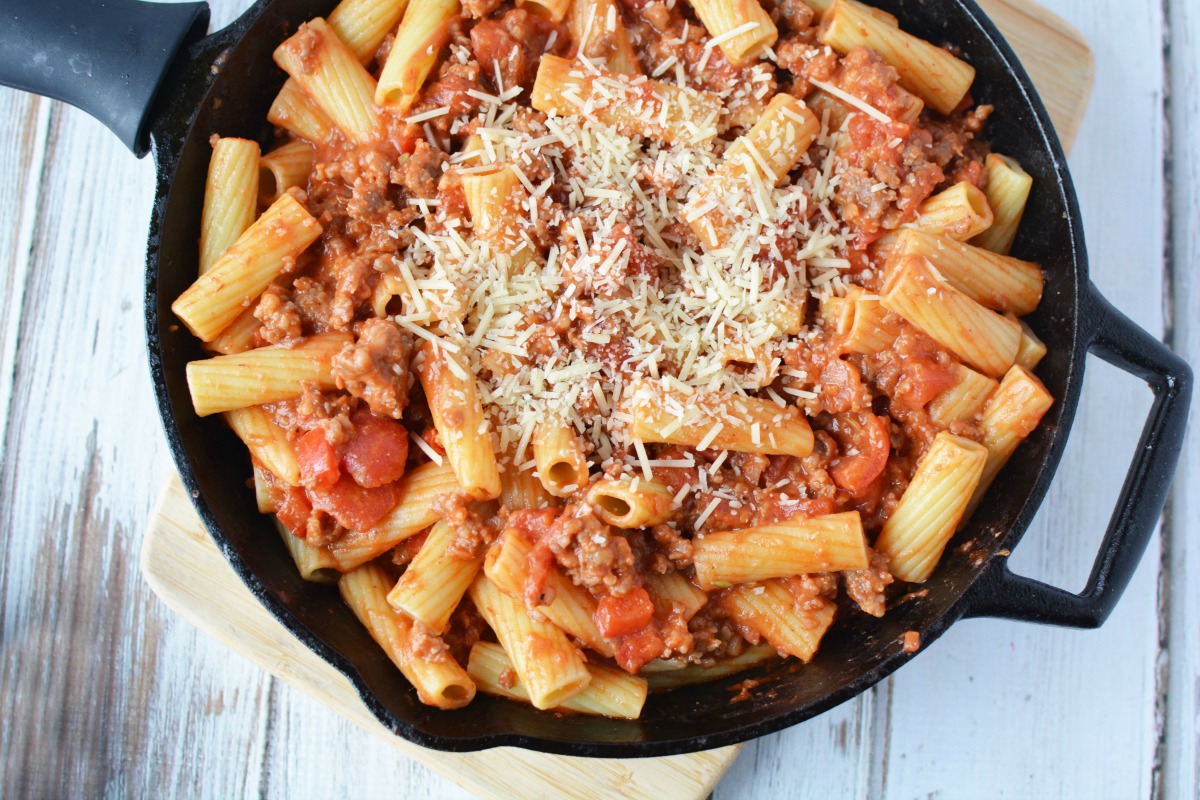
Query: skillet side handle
x=1122 y=343
x=108 y=59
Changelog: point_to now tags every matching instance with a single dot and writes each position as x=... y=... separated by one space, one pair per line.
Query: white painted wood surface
x=104 y=693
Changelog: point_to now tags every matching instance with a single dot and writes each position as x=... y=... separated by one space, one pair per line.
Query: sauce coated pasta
x=598 y=346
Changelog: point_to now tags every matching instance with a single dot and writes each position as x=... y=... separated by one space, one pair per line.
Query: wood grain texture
x=1179 y=666
x=124 y=699
x=188 y=573
x=85 y=654
x=1056 y=56
x=1059 y=704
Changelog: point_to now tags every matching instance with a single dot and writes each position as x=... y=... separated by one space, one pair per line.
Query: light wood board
x=185 y=569
x=188 y=573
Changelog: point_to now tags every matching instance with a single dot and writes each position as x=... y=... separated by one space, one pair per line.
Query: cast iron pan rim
x=167 y=152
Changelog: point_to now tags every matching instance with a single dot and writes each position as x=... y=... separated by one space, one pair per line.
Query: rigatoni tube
x=434 y=583
x=1013 y=413
x=283 y=168
x=965 y=400
x=709 y=420
x=412 y=514
x=980 y=337
x=423 y=32
x=362 y=25
x=551 y=668
x=267 y=442
x=230 y=197
x=796 y=546
x=562 y=466
x=571 y=607
x=457 y=412
x=771 y=609
x=439 y=680
x=933 y=73
x=296 y=113
x=598 y=31
x=333 y=77
x=264 y=375
x=960 y=212
x=241 y=274
x=634 y=106
x=931 y=507
x=1001 y=283
x=741 y=27
x=630 y=502
x=1007 y=190
x=754 y=164
x=315 y=564
x=611 y=692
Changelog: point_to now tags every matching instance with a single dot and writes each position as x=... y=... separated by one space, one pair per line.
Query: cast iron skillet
x=145 y=71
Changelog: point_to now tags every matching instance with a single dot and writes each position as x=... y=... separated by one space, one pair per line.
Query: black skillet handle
x=108 y=57
x=1122 y=343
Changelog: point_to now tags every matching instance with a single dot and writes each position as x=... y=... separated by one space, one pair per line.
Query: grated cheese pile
x=708 y=322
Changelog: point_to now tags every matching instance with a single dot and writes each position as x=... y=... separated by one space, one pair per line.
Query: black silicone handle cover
x=108 y=57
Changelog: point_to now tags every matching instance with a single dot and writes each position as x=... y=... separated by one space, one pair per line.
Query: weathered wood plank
x=22 y=154
x=88 y=662
x=188 y=720
x=1179 y=747
x=186 y=570
x=1003 y=709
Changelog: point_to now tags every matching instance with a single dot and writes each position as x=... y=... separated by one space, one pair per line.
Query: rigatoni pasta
x=598 y=31
x=283 y=168
x=230 y=194
x=941 y=79
x=263 y=375
x=439 y=679
x=1007 y=188
x=332 y=76
x=932 y=506
x=982 y=338
x=422 y=33
x=551 y=668
x=635 y=106
x=960 y=213
x=798 y=546
x=240 y=274
x=436 y=580
x=589 y=357
x=610 y=693
x=741 y=27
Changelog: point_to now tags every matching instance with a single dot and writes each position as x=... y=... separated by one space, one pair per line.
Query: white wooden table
x=104 y=693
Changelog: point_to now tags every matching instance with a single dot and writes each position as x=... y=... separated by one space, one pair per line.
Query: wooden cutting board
x=184 y=568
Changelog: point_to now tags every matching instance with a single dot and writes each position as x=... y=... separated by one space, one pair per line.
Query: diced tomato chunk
x=620 y=616
x=354 y=506
x=378 y=450
x=318 y=460
x=922 y=381
x=639 y=649
x=866 y=436
x=293 y=510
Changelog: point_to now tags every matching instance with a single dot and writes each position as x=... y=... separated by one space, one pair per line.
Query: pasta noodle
x=1007 y=189
x=588 y=362
x=328 y=72
x=229 y=197
x=246 y=268
x=551 y=668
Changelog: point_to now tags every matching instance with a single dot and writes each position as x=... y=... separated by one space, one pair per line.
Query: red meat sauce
x=869 y=413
